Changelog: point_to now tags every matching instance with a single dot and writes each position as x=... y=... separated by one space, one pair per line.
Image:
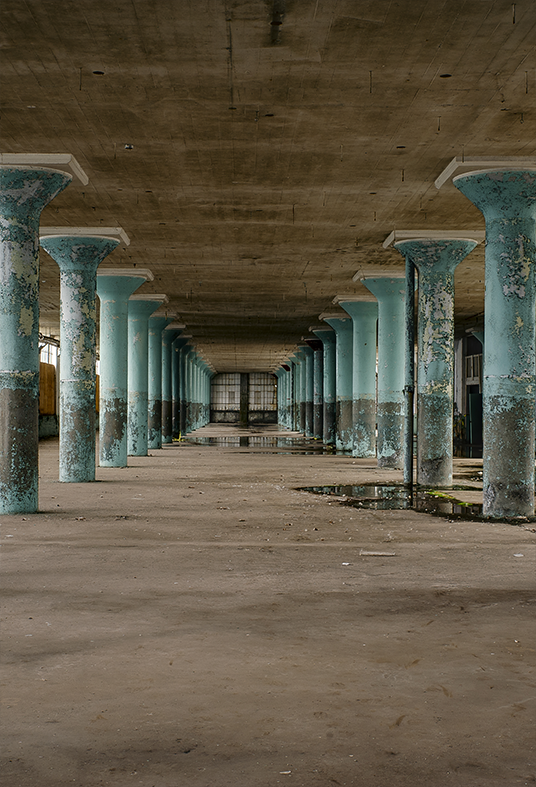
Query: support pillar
x=169 y=335
x=279 y=392
x=327 y=336
x=176 y=368
x=189 y=354
x=308 y=354
x=157 y=323
x=343 y=366
x=318 y=370
x=140 y=308
x=436 y=261
x=286 y=396
x=364 y=314
x=24 y=192
x=78 y=258
x=114 y=288
x=507 y=198
x=390 y=293
x=183 y=390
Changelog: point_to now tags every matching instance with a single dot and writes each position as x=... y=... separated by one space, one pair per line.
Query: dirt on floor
x=195 y=620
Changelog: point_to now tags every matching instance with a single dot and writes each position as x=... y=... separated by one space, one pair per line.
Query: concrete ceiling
x=259 y=152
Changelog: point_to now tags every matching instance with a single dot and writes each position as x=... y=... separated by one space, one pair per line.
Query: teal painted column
x=293 y=412
x=78 y=258
x=507 y=198
x=343 y=374
x=176 y=367
x=24 y=192
x=329 y=416
x=390 y=293
x=279 y=391
x=290 y=400
x=193 y=398
x=183 y=404
x=286 y=404
x=299 y=404
x=301 y=388
x=188 y=355
x=140 y=308
x=436 y=261
x=318 y=371
x=364 y=314
x=157 y=323
x=307 y=352
x=201 y=376
x=114 y=288
x=169 y=335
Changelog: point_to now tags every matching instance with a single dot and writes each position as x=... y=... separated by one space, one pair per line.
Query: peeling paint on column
x=24 y=192
x=391 y=296
x=156 y=326
x=318 y=369
x=178 y=345
x=507 y=198
x=309 y=390
x=78 y=259
x=436 y=261
x=327 y=337
x=168 y=338
x=364 y=318
x=139 y=312
x=114 y=292
x=343 y=376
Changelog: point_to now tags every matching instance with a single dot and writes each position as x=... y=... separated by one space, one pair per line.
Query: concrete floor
x=195 y=621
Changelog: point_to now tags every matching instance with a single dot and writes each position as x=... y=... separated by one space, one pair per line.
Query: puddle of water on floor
x=381 y=497
x=279 y=445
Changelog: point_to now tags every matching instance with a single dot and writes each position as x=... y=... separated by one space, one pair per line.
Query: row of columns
x=153 y=384
x=369 y=423
x=507 y=200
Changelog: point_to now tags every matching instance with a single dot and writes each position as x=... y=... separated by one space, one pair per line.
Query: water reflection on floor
x=397 y=496
x=270 y=444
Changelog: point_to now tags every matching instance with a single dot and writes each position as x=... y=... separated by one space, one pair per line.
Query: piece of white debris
x=518 y=554
x=364 y=553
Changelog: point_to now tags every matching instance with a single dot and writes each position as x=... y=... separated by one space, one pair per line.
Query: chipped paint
x=436 y=261
x=24 y=192
x=168 y=337
x=364 y=316
x=344 y=439
x=114 y=292
x=139 y=312
x=391 y=298
x=156 y=326
x=508 y=201
x=78 y=259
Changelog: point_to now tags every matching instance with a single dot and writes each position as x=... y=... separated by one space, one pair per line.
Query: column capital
x=397 y=235
x=47 y=161
x=431 y=255
x=86 y=232
x=142 y=273
x=75 y=252
x=500 y=193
